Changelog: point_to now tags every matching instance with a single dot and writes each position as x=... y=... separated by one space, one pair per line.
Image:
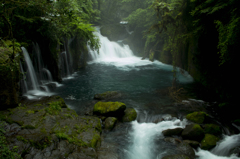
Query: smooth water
x=115 y=68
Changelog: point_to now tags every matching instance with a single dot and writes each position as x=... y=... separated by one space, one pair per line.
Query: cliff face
x=9 y=78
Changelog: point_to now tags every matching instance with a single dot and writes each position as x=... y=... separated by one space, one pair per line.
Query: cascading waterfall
x=109 y=50
x=31 y=87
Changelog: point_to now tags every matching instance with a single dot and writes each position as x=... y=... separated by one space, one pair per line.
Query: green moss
x=130 y=115
x=68 y=116
x=197 y=117
x=209 y=141
x=54 y=108
x=107 y=107
x=20 y=138
x=36 y=105
x=212 y=129
x=30 y=112
x=96 y=138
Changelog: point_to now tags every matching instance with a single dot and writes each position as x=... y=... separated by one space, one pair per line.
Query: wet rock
x=172 y=140
x=107 y=95
x=180 y=156
x=51 y=86
x=113 y=109
x=197 y=117
x=193 y=132
x=235 y=151
x=192 y=143
x=212 y=129
x=209 y=141
x=130 y=114
x=186 y=149
x=110 y=123
x=171 y=132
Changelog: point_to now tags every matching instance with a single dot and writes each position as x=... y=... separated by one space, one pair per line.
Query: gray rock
x=172 y=140
x=171 y=132
x=192 y=143
x=186 y=149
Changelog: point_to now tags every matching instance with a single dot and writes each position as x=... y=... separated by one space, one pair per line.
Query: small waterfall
x=49 y=75
x=23 y=81
x=30 y=71
x=64 y=65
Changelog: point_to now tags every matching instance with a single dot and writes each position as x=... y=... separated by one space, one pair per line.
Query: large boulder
x=193 y=132
x=171 y=132
x=212 y=129
x=197 y=117
x=209 y=141
x=186 y=149
x=110 y=123
x=193 y=144
x=107 y=95
x=130 y=114
x=113 y=109
x=172 y=140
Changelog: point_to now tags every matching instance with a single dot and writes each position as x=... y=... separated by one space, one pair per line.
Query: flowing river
x=116 y=68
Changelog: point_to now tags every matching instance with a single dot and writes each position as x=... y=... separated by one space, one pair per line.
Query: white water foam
x=143 y=136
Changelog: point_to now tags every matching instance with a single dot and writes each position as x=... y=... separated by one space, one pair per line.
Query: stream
x=116 y=68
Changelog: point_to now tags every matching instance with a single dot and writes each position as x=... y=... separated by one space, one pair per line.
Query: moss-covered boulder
x=197 y=117
x=107 y=95
x=209 y=141
x=193 y=132
x=110 y=122
x=212 y=129
x=130 y=114
x=171 y=132
x=113 y=109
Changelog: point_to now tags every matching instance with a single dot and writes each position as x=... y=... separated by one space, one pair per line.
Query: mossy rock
x=193 y=132
x=50 y=116
x=212 y=129
x=107 y=95
x=209 y=141
x=113 y=109
x=130 y=114
x=110 y=122
x=197 y=117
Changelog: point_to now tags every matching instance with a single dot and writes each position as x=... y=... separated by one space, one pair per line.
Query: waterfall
x=31 y=71
x=38 y=78
x=109 y=50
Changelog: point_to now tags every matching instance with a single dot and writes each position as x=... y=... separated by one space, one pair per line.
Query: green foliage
x=5 y=151
x=54 y=108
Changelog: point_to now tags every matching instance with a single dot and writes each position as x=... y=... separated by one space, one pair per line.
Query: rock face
x=193 y=132
x=209 y=141
x=113 y=109
x=130 y=114
x=171 y=132
x=197 y=117
x=107 y=95
x=110 y=123
x=9 y=78
x=48 y=129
